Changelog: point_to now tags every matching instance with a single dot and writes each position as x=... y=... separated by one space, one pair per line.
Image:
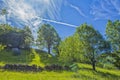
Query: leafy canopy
x=71 y=49
x=113 y=34
x=48 y=37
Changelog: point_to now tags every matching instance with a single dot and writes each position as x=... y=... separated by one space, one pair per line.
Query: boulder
x=16 y=51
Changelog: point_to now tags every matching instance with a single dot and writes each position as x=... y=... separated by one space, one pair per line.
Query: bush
x=2 y=47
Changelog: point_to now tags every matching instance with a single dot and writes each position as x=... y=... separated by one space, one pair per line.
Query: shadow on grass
x=108 y=74
x=103 y=74
x=24 y=58
x=47 y=59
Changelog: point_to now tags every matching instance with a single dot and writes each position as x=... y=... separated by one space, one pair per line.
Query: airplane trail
x=57 y=22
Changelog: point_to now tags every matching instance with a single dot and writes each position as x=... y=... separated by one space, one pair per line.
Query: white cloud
x=24 y=10
x=20 y=10
x=31 y=12
x=78 y=10
x=116 y=4
x=75 y=8
x=105 y=9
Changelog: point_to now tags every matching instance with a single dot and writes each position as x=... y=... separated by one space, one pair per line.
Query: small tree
x=71 y=49
x=48 y=37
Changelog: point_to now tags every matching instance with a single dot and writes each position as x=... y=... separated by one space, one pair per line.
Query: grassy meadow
x=85 y=71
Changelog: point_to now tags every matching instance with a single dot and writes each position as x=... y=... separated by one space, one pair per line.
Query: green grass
x=41 y=59
x=82 y=74
x=8 y=57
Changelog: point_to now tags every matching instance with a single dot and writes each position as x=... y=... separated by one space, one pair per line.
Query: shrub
x=2 y=47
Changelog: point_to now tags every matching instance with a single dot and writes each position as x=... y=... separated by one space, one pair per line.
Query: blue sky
x=92 y=12
x=70 y=12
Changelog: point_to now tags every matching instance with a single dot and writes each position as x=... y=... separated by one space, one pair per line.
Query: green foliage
x=15 y=37
x=36 y=60
x=4 y=28
x=93 y=42
x=2 y=47
x=48 y=37
x=85 y=73
x=116 y=56
x=12 y=39
x=29 y=57
x=28 y=37
x=70 y=49
x=106 y=61
x=86 y=45
x=113 y=34
x=3 y=12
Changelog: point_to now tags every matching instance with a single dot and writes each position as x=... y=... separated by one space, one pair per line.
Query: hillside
x=41 y=58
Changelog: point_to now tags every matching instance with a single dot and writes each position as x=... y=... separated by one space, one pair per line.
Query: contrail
x=57 y=22
x=78 y=10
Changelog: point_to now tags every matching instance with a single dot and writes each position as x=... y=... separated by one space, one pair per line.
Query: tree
x=28 y=37
x=116 y=56
x=48 y=37
x=113 y=34
x=56 y=45
x=15 y=37
x=106 y=61
x=12 y=39
x=71 y=49
x=4 y=28
x=4 y=31
x=93 y=42
x=4 y=12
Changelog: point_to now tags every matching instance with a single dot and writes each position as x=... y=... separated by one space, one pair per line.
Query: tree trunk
x=93 y=65
x=93 y=62
x=5 y=18
x=48 y=49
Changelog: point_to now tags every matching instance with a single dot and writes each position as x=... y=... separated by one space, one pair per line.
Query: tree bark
x=93 y=62
x=93 y=65
x=48 y=49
